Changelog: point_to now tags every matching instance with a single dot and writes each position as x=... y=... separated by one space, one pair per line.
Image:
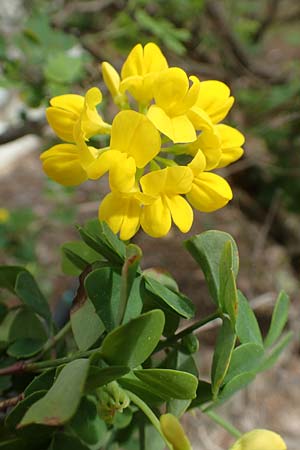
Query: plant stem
x=224 y=424
x=32 y=366
x=9 y=402
x=55 y=339
x=149 y=413
x=200 y=323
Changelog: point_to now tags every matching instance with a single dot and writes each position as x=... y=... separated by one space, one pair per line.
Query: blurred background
x=51 y=47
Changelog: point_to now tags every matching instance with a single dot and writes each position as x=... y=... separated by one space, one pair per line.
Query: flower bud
x=174 y=433
x=112 y=398
x=259 y=440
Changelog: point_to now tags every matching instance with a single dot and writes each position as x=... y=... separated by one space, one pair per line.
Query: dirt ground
x=273 y=400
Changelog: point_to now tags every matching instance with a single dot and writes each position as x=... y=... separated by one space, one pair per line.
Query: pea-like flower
x=221 y=145
x=147 y=189
x=166 y=187
x=173 y=100
x=212 y=105
x=134 y=143
x=67 y=110
x=260 y=440
x=140 y=70
x=209 y=191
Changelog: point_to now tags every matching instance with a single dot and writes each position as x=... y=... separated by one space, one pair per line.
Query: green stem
x=224 y=424
x=149 y=413
x=36 y=366
x=200 y=323
x=55 y=339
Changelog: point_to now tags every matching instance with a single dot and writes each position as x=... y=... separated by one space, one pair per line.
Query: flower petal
x=122 y=174
x=156 y=218
x=69 y=102
x=182 y=213
x=179 y=180
x=111 y=78
x=214 y=98
x=170 y=88
x=62 y=164
x=134 y=134
x=209 y=192
x=198 y=163
x=62 y=122
x=231 y=142
x=103 y=163
x=134 y=63
x=209 y=143
x=178 y=129
x=122 y=214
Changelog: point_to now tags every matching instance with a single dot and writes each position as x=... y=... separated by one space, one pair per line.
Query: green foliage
x=115 y=360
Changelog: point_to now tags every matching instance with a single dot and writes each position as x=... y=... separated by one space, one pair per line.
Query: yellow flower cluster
x=148 y=188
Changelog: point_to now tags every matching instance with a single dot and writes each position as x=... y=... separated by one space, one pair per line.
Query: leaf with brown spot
x=62 y=400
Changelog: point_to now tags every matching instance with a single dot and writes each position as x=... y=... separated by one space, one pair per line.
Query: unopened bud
x=260 y=440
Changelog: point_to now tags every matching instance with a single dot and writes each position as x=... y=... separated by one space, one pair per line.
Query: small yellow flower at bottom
x=4 y=215
x=259 y=440
x=122 y=212
x=174 y=433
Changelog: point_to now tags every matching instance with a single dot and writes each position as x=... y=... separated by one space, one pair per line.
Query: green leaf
x=245 y=358
x=21 y=408
x=175 y=300
x=235 y=384
x=222 y=355
x=171 y=383
x=246 y=325
x=203 y=394
x=76 y=256
x=87 y=425
x=6 y=326
x=41 y=382
x=129 y=271
x=162 y=277
x=279 y=319
x=63 y=441
x=62 y=400
x=228 y=298
x=177 y=407
x=87 y=327
x=206 y=248
x=98 y=376
x=277 y=350
x=103 y=287
x=144 y=391
x=27 y=335
x=25 y=348
x=131 y=344
x=21 y=283
x=99 y=236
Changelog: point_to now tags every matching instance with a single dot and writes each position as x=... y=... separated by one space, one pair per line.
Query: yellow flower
x=122 y=212
x=67 y=110
x=173 y=432
x=212 y=105
x=260 y=440
x=113 y=81
x=4 y=215
x=165 y=186
x=134 y=143
x=221 y=146
x=140 y=70
x=173 y=100
x=63 y=164
x=209 y=191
